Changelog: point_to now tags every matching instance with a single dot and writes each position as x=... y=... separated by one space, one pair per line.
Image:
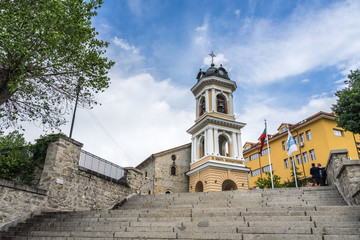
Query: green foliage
x=18 y=159
x=291 y=182
x=266 y=182
x=347 y=108
x=47 y=49
x=39 y=149
x=15 y=158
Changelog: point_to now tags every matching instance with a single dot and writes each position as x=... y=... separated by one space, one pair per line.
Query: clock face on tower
x=221 y=72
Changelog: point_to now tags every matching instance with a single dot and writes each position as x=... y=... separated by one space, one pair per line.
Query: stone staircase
x=297 y=213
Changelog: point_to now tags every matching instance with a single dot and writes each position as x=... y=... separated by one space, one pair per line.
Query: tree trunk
x=5 y=93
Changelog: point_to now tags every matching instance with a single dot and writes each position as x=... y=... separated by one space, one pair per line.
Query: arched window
x=221 y=103
x=173 y=170
x=223 y=145
x=168 y=192
x=202 y=106
x=202 y=147
x=199 y=187
x=229 y=185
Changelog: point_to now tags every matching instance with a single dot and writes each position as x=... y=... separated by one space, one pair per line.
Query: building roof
x=295 y=126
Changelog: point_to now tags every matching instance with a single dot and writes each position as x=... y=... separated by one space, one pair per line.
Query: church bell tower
x=217 y=162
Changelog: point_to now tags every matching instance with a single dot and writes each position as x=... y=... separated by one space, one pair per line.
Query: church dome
x=213 y=71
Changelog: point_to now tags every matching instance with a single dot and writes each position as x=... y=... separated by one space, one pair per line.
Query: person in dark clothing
x=315 y=173
x=322 y=173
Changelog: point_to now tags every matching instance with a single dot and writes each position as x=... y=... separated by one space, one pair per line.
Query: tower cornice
x=213 y=80
x=214 y=120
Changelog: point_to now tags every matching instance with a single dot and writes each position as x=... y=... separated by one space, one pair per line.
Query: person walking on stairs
x=315 y=173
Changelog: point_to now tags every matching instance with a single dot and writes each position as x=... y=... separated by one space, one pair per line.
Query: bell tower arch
x=216 y=135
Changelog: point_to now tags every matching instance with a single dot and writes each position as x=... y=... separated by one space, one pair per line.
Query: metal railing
x=101 y=166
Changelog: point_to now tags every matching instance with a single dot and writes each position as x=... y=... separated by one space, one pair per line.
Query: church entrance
x=199 y=187
x=229 y=185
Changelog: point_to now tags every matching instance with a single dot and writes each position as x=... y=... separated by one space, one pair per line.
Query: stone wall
x=18 y=200
x=345 y=175
x=64 y=186
x=163 y=181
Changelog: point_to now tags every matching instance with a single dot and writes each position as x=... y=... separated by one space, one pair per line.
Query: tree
x=347 y=108
x=291 y=182
x=266 y=182
x=48 y=49
x=15 y=158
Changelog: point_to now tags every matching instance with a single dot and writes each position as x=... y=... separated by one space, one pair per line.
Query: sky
x=288 y=58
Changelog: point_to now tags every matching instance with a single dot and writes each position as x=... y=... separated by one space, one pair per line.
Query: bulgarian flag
x=262 y=140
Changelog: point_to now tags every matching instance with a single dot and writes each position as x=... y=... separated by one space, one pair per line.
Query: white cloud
x=142 y=115
x=310 y=40
x=237 y=13
x=125 y=45
x=306 y=80
x=201 y=34
x=275 y=115
x=219 y=59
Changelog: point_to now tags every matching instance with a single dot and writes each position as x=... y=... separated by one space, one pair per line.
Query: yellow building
x=217 y=162
x=315 y=137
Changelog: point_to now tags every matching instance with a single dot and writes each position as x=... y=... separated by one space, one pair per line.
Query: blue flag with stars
x=291 y=145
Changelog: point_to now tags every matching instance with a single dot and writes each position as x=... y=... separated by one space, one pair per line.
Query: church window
x=202 y=106
x=221 y=103
x=223 y=145
x=173 y=171
x=173 y=157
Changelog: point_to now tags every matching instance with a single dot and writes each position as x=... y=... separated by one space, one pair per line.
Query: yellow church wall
x=212 y=179
x=322 y=142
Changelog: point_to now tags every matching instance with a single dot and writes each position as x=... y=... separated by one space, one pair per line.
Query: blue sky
x=287 y=58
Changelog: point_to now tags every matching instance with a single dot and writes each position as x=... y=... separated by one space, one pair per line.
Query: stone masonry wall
x=64 y=186
x=345 y=175
x=11 y=194
x=72 y=189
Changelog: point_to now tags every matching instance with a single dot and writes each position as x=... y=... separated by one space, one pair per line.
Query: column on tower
x=216 y=141
x=235 y=153
x=205 y=147
x=213 y=100
x=240 y=145
x=231 y=104
x=195 y=149
x=210 y=141
x=207 y=100
x=197 y=106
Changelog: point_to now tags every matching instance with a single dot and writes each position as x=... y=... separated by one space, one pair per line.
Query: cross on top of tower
x=212 y=55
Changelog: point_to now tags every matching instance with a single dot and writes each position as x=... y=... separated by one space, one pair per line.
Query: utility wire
x=93 y=116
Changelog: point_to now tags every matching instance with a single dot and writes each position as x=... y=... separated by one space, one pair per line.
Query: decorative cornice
x=218 y=165
x=215 y=120
x=213 y=80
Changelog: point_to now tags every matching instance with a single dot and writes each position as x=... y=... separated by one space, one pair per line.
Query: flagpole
x=267 y=141
x=293 y=159
x=293 y=163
